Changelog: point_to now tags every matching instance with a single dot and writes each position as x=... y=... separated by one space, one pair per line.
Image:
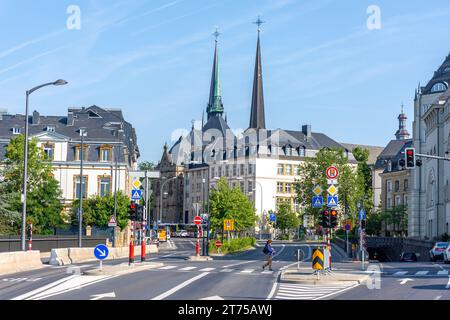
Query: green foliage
x=10 y=218
x=98 y=210
x=43 y=197
x=286 y=219
x=233 y=245
x=226 y=203
x=146 y=166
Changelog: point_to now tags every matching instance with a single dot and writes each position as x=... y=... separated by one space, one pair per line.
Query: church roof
x=442 y=74
x=257 y=116
x=392 y=152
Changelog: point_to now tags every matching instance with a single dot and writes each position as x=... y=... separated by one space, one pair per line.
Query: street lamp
x=83 y=133
x=59 y=82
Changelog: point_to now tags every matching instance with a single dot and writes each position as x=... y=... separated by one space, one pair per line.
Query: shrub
x=233 y=245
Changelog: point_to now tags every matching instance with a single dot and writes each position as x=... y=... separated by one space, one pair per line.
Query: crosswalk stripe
x=421 y=273
x=167 y=267
x=208 y=269
x=247 y=271
x=400 y=273
x=188 y=268
x=308 y=292
x=443 y=272
x=267 y=272
x=226 y=270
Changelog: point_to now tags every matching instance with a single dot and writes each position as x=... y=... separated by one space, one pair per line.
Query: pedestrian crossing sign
x=136 y=194
x=332 y=201
x=317 y=202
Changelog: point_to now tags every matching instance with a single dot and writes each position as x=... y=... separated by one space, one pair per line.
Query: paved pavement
x=237 y=276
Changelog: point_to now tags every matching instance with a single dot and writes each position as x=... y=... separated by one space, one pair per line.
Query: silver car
x=437 y=252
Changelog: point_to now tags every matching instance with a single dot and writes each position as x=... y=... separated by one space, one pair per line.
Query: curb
x=123 y=268
x=200 y=258
x=325 y=279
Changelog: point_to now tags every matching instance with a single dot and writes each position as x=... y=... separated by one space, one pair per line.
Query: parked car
x=446 y=254
x=437 y=252
x=408 y=257
x=183 y=234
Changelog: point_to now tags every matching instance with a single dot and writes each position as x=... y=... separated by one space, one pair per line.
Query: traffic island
x=307 y=276
x=122 y=268
x=199 y=258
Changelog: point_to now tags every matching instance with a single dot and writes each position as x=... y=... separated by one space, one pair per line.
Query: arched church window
x=440 y=86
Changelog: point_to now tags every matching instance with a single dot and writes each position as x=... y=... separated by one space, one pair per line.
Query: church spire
x=215 y=105
x=257 y=117
x=402 y=133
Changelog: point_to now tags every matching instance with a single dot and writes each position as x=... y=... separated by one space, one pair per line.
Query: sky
x=322 y=64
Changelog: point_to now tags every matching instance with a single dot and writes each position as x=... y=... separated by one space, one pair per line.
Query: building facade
x=110 y=148
x=429 y=209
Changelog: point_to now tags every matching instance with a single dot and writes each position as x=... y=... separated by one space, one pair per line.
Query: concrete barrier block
x=12 y=262
x=60 y=257
x=78 y=255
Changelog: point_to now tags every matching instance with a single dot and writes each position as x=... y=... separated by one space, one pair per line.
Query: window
x=397 y=185
x=241 y=170
x=397 y=201
x=16 y=130
x=78 y=153
x=250 y=169
x=220 y=171
x=440 y=86
x=234 y=170
x=302 y=152
x=77 y=187
x=389 y=203
x=51 y=128
x=241 y=184
x=405 y=200
x=296 y=169
x=446 y=70
x=389 y=185
x=288 y=169
x=250 y=186
x=280 y=168
x=389 y=168
x=106 y=153
x=48 y=150
x=288 y=187
x=227 y=171
x=104 y=186
x=405 y=185
x=280 y=188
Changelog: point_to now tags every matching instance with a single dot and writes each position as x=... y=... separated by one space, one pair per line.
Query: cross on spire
x=259 y=22
x=216 y=33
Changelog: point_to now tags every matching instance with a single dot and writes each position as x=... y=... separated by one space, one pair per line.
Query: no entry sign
x=218 y=244
x=332 y=172
x=198 y=220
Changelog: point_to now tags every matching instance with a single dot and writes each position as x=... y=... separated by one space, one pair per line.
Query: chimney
x=306 y=129
x=35 y=119
x=70 y=118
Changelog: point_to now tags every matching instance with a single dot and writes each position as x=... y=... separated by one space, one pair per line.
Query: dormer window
x=437 y=87
x=447 y=70
x=106 y=153
x=389 y=166
x=92 y=114
x=16 y=130
x=51 y=129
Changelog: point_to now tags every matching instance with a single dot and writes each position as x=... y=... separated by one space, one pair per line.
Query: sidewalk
x=122 y=268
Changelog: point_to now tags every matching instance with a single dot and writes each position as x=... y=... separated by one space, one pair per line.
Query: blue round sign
x=101 y=252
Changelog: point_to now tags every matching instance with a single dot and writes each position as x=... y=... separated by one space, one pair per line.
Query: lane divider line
x=179 y=287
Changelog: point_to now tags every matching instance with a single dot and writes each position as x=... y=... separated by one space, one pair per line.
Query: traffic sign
x=332 y=181
x=332 y=190
x=273 y=216
x=332 y=172
x=112 y=222
x=101 y=252
x=228 y=224
x=136 y=194
x=218 y=244
x=136 y=183
x=198 y=220
x=317 y=259
x=362 y=214
x=332 y=201
x=317 y=202
x=317 y=190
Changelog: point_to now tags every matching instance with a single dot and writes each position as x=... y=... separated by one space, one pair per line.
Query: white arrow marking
x=403 y=281
x=103 y=295
x=448 y=283
x=102 y=253
x=213 y=298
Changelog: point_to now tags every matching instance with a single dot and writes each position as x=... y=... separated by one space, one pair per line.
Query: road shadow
x=439 y=287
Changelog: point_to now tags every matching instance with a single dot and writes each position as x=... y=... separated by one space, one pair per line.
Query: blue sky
x=321 y=64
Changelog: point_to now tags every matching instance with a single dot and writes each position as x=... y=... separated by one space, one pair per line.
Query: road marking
x=188 y=268
x=39 y=290
x=237 y=264
x=448 y=283
x=309 y=292
x=208 y=269
x=179 y=287
x=403 y=281
x=267 y=272
x=400 y=273
x=213 y=298
x=438 y=298
x=247 y=271
x=226 y=270
x=103 y=295
x=272 y=292
x=443 y=272
x=168 y=255
x=167 y=267
x=421 y=273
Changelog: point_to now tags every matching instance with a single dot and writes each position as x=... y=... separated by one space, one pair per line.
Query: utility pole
x=80 y=209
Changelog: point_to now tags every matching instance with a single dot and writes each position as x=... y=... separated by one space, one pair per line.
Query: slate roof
x=392 y=152
x=440 y=75
x=374 y=151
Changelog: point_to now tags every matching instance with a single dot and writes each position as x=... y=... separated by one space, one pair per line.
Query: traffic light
x=133 y=211
x=333 y=218
x=325 y=219
x=410 y=158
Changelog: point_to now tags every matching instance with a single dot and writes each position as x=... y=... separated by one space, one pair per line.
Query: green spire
x=215 y=105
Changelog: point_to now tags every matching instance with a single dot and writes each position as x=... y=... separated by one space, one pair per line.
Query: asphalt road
x=238 y=276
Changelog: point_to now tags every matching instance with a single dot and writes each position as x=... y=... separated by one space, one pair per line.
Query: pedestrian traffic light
x=333 y=218
x=325 y=219
x=410 y=158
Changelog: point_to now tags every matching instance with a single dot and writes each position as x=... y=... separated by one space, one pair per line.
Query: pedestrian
x=269 y=252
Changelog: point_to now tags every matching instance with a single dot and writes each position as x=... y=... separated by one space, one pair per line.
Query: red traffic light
x=325 y=212
x=132 y=205
x=333 y=212
x=410 y=152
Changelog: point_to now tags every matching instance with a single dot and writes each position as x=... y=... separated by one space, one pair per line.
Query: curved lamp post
x=59 y=82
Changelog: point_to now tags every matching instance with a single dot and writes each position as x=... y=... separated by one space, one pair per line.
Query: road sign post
x=101 y=252
x=198 y=221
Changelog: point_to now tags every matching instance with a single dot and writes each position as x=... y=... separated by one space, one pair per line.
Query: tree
x=286 y=218
x=312 y=173
x=146 y=166
x=9 y=217
x=43 y=194
x=98 y=210
x=227 y=203
x=364 y=176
